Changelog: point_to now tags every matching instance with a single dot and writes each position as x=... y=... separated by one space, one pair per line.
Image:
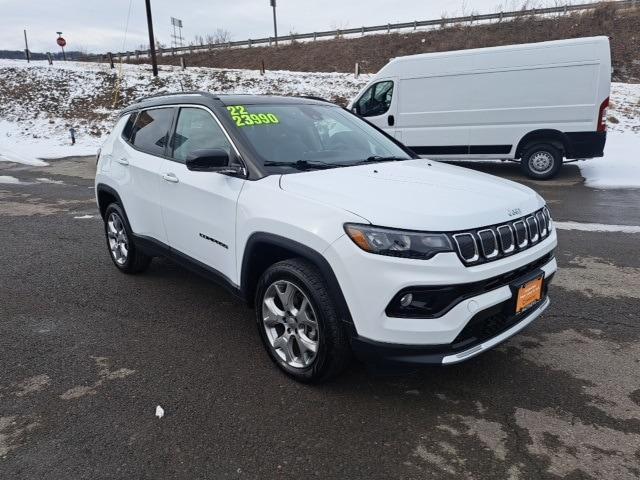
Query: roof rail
x=174 y=94
x=319 y=99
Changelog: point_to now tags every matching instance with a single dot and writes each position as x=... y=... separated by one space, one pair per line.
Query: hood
x=416 y=194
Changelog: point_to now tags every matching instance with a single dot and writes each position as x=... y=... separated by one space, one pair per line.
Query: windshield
x=305 y=137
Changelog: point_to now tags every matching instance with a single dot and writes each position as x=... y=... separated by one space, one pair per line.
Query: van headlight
x=398 y=243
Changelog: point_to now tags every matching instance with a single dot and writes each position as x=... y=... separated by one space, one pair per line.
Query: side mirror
x=211 y=160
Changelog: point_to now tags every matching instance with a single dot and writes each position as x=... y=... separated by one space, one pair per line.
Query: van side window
x=151 y=130
x=376 y=100
x=197 y=130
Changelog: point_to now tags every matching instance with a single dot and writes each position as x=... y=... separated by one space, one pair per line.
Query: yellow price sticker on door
x=244 y=118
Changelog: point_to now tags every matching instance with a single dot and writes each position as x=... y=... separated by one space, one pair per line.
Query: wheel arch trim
x=547 y=134
x=101 y=187
x=299 y=250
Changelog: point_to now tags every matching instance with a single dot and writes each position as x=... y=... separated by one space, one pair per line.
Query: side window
x=151 y=130
x=197 y=130
x=128 y=128
x=376 y=100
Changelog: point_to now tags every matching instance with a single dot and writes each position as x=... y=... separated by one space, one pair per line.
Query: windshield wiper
x=304 y=165
x=379 y=158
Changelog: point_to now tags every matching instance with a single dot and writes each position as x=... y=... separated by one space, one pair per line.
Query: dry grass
x=374 y=51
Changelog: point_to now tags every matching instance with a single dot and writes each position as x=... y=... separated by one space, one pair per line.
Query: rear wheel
x=541 y=161
x=123 y=251
x=298 y=322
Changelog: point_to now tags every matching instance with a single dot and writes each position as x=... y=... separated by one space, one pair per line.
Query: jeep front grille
x=498 y=241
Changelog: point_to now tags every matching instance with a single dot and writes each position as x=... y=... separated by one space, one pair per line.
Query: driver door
x=378 y=105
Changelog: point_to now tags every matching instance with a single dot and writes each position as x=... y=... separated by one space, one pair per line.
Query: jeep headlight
x=398 y=243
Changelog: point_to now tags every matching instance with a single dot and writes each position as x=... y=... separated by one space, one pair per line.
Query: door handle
x=170 y=177
x=391 y=120
x=123 y=161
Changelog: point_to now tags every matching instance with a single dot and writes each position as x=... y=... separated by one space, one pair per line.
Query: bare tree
x=339 y=26
x=220 y=36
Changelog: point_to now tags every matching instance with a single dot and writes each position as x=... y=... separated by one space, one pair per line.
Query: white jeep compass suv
x=343 y=240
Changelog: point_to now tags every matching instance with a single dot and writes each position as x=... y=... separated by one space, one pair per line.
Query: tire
x=541 y=161
x=333 y=352
x=117 y=231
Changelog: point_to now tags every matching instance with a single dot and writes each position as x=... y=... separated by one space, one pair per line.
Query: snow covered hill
x=40 y=103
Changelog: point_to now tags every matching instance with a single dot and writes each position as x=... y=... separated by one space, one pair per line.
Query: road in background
x=87 y=354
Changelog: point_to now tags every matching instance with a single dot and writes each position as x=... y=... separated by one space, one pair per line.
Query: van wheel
x=541 y=161
x=298 y=322
x=122 y=250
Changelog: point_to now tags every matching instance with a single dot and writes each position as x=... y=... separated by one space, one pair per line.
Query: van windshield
x=305 y=137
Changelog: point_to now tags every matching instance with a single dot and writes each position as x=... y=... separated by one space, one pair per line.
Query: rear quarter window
x=150 y=131
x=128 y=127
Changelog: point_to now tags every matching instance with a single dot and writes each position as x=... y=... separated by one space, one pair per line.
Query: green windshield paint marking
x=243 y=118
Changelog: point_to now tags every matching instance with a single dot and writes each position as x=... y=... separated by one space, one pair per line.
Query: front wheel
x=298 y=322
x=541 y=161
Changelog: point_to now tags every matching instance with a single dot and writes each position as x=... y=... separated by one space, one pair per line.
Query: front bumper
x=370 y=282
x=394 y=355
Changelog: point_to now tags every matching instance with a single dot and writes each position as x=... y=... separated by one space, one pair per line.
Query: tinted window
x=197 y=130
x=324 y=135
x=376 y=100
x=151 y=130
x=128 y=128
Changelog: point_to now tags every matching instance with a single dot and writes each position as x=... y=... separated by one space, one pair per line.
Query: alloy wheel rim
x=291 y=324
x=541 y=162
x=117 y=238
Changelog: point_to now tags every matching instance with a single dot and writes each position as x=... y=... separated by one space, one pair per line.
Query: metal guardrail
x=441 y=22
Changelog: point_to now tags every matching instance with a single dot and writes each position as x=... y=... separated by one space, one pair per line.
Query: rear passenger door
x=141 y=159
x=199 y=208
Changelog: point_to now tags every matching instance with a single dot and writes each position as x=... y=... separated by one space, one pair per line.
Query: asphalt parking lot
x=86 y=355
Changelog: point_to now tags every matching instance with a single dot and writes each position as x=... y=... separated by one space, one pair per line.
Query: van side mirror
x=211 y=160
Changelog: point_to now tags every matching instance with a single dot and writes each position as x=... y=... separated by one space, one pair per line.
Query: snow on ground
x=8 y=179
x=28 y=145
x=624 y=108
x=620 y=166
x=40 y=103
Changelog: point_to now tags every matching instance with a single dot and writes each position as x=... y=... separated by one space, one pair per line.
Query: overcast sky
x=99 y=25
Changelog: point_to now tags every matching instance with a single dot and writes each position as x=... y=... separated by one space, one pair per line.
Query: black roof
x=224 y=100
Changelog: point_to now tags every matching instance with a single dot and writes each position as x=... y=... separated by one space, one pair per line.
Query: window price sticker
x=243 y=118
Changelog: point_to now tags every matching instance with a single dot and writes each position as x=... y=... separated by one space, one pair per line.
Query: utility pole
x=26 y=47
x=152 y=42
x=275 y=22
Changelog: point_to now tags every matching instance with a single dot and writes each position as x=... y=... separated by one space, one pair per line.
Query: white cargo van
x=536 y=102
